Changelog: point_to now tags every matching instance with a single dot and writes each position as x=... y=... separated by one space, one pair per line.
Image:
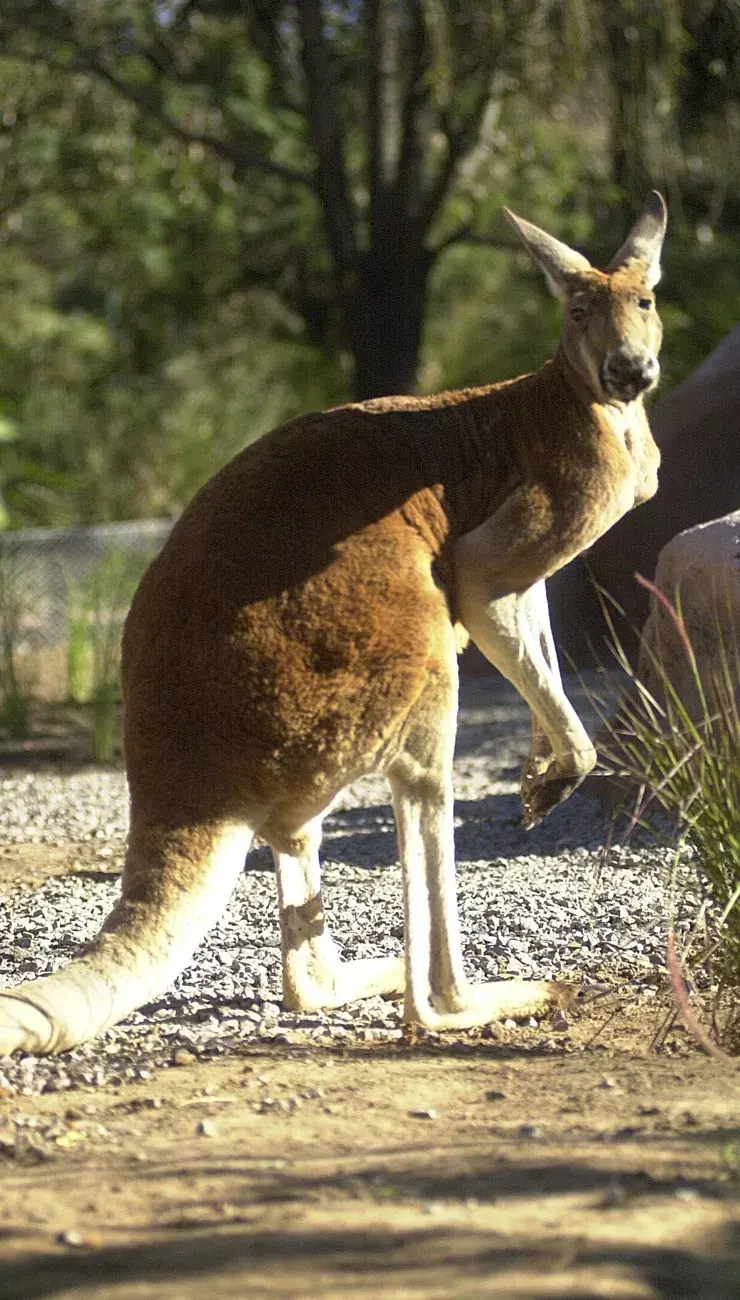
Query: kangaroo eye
x=644 y=303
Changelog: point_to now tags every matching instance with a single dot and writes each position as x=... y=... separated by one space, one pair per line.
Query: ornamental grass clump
x=685 y=759
x=97 y=609
x=15 y=677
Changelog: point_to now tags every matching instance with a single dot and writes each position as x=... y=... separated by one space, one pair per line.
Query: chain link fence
x=60 y=589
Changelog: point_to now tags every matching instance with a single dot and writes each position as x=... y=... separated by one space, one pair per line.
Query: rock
x=80 y=1240
x=614 y=1195
x=183 y=1057
x=424 y=1114
x=559 y=1020
x=206 y=1128
x=270 y=1011
x=700 y=569
x=699 y=574
x=529 y=1131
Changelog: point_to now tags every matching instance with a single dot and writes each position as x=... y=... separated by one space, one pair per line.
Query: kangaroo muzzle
x=627 y=372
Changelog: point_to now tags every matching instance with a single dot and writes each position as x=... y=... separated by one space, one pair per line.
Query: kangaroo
x=301 y=626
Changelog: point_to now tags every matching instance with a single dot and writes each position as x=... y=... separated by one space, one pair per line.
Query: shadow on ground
x=351 y=1263
x=487 y=828
x=465 y=1259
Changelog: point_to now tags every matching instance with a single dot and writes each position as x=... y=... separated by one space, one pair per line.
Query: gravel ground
x=538 y=903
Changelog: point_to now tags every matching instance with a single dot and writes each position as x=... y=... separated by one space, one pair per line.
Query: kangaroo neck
x=610 y=408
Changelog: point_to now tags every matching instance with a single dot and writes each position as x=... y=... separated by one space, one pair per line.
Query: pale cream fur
x=301 y=627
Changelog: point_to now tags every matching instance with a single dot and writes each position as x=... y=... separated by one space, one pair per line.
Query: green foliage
x=79 y=668
x=196 y=211
x=491 y=315
x=686 y=760
x=699 y=299
x=136 y=355
x=15 y=684
x=730 y=1153
x=97 y=607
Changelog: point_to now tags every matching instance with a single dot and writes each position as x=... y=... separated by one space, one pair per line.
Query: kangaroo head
x=611 y=330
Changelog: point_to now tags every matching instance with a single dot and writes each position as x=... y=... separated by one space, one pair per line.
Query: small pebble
x=559 y=1020
x=183 y=1057
x=424 y=1114
x=206 y=1128
x=270 y=1011
x=80 y=1240
x=614 y=1195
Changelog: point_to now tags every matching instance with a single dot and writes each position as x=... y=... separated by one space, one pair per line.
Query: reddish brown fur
x=278 y=643
x=297 y=631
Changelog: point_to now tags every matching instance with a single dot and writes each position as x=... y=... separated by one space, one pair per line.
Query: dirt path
x=453 y=1168
x=532 y=1164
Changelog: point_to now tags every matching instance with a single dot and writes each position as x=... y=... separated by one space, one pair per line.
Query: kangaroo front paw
x=542 y=798
x=543 y=790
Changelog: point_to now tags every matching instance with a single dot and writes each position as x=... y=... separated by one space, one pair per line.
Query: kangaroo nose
x=627 y=372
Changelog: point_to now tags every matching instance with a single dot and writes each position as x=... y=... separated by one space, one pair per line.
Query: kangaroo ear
x=559 y=262
x=645 y=240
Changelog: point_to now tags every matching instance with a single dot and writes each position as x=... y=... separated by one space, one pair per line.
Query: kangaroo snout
x=627 y=372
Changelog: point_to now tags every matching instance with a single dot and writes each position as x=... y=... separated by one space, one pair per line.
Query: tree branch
x=323 y=117
x=184 y=13
x=383 y=108
x=243 y=156
x=415 y=101
x=466 y=235
x=163 y=59
x=262 y=19
x=460 y=145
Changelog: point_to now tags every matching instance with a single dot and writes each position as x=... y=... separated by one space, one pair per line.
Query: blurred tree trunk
x=382 y=261
x=387 y=319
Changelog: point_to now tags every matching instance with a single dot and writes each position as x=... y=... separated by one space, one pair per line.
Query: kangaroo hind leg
x=176 y=883
x=313 y=974
x=438 y=994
